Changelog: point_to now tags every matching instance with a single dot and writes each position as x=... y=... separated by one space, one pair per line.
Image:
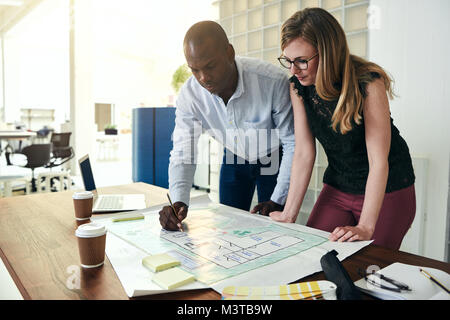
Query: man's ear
x=230 y=53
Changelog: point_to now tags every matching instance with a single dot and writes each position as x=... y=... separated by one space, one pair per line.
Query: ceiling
x=12 y=11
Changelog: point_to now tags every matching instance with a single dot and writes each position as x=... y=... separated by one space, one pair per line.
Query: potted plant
x=180 y=76
x=111 y=129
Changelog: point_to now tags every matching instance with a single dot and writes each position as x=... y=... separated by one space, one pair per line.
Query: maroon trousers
x=335 y=208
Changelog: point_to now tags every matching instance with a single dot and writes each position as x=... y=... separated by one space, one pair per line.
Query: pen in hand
x=175 y=213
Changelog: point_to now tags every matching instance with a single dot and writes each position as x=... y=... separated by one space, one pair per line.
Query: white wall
x=411 y=43
x=138 y=45
x=36 y=62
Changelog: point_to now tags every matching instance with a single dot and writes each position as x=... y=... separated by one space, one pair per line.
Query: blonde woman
x=342 y=100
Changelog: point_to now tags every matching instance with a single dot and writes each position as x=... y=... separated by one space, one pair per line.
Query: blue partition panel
x=152 y=142
x=164 y=125
x=143 y=147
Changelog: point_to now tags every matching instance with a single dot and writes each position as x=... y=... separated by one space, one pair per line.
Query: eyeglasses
x=301 y=64
x=397 y=286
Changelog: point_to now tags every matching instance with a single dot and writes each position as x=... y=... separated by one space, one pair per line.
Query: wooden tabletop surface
x=39 y=249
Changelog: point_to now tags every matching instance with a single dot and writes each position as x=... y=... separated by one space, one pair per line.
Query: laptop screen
x=86 y=173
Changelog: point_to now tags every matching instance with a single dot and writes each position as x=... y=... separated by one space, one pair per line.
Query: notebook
x=160 y=262
x=422 y=288
x=110 y=202
x=172 y=278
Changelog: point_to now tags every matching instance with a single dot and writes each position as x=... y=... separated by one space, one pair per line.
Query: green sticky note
x=160 y=262
x=173 y=278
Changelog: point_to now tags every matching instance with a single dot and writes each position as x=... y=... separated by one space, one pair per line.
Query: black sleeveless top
x=348 y=164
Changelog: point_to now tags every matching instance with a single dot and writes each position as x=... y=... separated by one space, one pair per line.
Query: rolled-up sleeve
x=283 y=119
x=184 y=153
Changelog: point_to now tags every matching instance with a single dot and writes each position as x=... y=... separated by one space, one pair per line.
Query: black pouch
x=336 y=273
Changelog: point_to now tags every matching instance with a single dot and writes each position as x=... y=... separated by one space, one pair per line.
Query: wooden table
x=38 y=246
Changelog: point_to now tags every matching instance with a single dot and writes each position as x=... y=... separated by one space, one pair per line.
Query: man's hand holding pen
x=171 y=220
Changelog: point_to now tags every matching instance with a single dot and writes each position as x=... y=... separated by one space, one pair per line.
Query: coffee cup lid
x=83 y=195
x=82 y=219
x=90 y=230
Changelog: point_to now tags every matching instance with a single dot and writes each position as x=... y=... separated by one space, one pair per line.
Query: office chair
x=37 y=155
x=61 y=153
x=61 y=150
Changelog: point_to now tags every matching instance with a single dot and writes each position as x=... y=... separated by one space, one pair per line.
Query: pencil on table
x=429 y=276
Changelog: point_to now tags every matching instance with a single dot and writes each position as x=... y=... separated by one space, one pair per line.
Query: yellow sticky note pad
x=173 y=278
x=242 y=291
x=160 y=262
x=229 y=290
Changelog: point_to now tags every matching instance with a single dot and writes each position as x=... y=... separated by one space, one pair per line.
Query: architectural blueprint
x=217 y=243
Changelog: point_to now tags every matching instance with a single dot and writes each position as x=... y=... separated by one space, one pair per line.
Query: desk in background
x=38 y=246
x=12 y=135
x=107 y=146
x=15 y=135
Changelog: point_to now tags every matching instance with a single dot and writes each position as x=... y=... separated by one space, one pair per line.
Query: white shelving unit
x=36 y=118
x=413 y=242
x=215 y=157
x=254 y=26
x=202 y=172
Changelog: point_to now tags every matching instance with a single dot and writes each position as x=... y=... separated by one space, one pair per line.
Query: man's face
x=211 y=66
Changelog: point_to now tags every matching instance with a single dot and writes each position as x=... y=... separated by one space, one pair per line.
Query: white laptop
x=108 y=202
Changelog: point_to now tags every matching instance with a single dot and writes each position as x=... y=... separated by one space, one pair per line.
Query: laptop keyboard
x=110 y=202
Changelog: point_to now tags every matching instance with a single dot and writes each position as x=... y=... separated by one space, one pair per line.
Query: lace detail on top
x=348 y=164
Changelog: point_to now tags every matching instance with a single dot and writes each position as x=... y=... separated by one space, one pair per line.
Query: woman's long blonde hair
x=339 y=74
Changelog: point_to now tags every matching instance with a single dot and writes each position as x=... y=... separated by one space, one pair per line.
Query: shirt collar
x=240 y=85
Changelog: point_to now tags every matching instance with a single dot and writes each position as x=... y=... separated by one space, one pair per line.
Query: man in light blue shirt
x=243 y=103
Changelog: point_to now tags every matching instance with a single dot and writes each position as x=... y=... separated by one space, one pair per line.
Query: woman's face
x=300 y=49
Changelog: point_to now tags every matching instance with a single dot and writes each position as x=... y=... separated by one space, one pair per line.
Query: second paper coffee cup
x=82 y=203
x=91 y=244
x=80 y=221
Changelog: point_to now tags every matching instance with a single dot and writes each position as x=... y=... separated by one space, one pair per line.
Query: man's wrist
x=180 y=203
x=277 y=206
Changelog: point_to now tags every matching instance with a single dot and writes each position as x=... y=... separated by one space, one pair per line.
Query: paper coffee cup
x=81 y=221
x=82 y=202
x=91 y=244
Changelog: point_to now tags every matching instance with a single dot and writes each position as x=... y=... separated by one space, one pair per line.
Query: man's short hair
x=203 y=31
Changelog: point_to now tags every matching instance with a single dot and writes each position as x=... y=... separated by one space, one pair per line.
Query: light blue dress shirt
x=257 y=117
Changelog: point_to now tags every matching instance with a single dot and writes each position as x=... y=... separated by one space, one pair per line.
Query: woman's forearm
x=300 y=176
x=374 y=195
